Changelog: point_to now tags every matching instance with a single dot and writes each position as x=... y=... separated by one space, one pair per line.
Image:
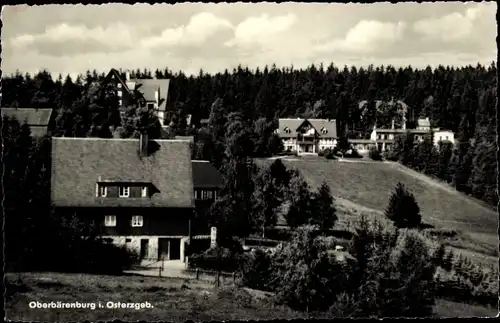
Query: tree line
x=459 y=99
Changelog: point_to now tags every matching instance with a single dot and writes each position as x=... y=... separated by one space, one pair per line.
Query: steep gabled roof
x=37 y=119
x=79 y=163
x=205 y=175
x=116 y=74
x=148 y=87
x=288 y=127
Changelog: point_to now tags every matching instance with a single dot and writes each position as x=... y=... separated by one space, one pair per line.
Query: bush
x=321 y=153
x=329 y=155
x=354 y=154
x=256 y=270
x=220 y=259
x=440 y=233
x=375 y=154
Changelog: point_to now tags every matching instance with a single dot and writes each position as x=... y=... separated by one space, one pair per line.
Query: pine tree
x=324 y=215
x=438 y=255
x=448 y=260
x=403 y=209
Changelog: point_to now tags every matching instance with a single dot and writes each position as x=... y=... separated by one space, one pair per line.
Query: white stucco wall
x=135 y=244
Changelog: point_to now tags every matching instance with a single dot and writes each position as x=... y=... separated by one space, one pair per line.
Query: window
x=206 y=195
x=110 y=220
x=137 y=221
x=151 y=106
x=446 y=137
x=119 y=85
x=119 y=94
x=124 y=191
x=128 y=240
x=440 y=137
x=144 y=191
x=195 y=194
x=120 y=102
x=324 y=131
x=102 y=191
x=287 y=130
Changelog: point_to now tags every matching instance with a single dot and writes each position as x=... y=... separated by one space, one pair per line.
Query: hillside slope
x=370 y=184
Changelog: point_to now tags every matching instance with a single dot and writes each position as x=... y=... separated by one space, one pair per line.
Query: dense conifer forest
x=462 y=100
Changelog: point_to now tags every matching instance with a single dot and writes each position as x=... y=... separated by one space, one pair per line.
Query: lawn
x=367 y=187
x=173 y=300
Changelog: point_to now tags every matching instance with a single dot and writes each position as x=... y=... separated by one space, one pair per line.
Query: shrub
x=375 y=154
x=329 y=155
x=256 y=270
x=440 y=233
x=219 y=258
x=321 y=153
x=354 y=154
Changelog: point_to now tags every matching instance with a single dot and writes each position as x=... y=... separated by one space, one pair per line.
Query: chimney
x=392 y=125
x=127 y=76
x=143 y=144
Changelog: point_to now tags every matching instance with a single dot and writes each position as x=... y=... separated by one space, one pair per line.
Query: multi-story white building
x=307 y=135
x=383 y=139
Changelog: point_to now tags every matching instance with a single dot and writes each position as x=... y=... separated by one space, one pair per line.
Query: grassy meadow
x=173 y=300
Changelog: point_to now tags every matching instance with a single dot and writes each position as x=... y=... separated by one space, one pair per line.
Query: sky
x=71 y=39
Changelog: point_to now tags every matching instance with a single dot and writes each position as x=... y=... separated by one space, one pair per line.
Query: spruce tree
x=438 y=255
x=324 y=215
x=448 y=260
x=403 y=208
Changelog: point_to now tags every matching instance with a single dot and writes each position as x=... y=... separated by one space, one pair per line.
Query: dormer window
x=124 y=191
x=324 y=131
x=276 y=131
x=144 y=191
x=119 y=85
x=151 y=106
x=287 y=130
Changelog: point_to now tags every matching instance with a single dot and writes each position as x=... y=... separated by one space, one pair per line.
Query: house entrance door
x=144 y=252
x=163 y=248
x=175 y=249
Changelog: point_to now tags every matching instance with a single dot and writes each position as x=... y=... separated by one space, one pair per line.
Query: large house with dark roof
x=307 y=135
x=37 y=119
x=150 y=93
x=136 y=192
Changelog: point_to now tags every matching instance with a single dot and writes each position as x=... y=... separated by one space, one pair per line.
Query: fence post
x=217 y=282
x=197 y=274
x=234 y=278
